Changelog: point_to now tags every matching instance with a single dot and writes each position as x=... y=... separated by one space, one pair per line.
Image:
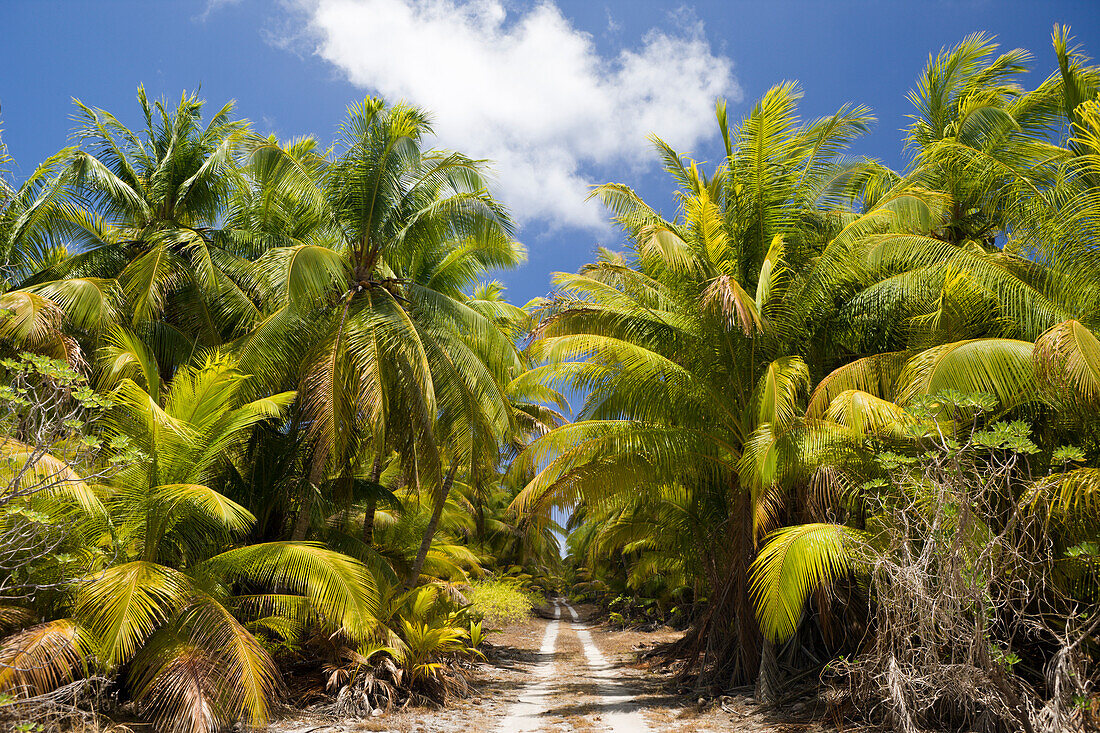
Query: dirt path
x=561 y=674
x=538 y=704
x=533 y=702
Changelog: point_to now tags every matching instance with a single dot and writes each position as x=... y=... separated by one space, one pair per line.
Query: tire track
x=620 y=713
x=526 y=714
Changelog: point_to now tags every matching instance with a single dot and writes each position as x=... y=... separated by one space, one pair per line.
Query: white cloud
x=529 y=90
x=213 y=6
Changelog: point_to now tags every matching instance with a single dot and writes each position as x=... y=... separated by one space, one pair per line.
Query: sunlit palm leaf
x=794 y=562
x=340 y=588
x=999 y=367
x=41 y=658
x=1067 y=363
x=123 y=605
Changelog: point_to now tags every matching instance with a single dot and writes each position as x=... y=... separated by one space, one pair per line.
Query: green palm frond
x=27 y=468
x=777 y=457
x=999 y=367
x=124 y=355
x=876 y=375
x=181 y=502
x=35 y=323
x=1067 y=365
x=777 y=393
x=341 y=589
x=794 y=562
x=123 y=605
x=89 y=304
x=867 y=414
x=1074 y=495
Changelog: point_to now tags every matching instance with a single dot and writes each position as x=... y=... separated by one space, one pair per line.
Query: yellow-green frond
x=123 y=605
x=793 y=562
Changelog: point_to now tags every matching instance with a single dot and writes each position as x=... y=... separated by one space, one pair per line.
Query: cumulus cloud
x=529 y=90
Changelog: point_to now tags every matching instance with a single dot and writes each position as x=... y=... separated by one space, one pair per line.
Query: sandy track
x=563 y=675
x=535 y=710
x=620 y=712
x=526 y=713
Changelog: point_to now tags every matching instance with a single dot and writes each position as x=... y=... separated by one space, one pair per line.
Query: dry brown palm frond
x=12 y=617
x=737 y=308
x=41 y=658
x=182 y=695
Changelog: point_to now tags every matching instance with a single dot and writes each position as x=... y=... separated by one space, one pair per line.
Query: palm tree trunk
x=749 y=637
x=767 y=681
x=723 y=644
x=433 y=524
x=372 y=502
x=301 y=525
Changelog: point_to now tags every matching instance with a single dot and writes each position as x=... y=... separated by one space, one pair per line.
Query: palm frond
x=999 y=367
x=123 y=605
x=1067 y=365
x=795 y=561
x=341 y=589
x=41 y=658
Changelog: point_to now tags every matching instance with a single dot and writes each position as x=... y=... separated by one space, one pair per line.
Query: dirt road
x=612 y=701
x=561 y=674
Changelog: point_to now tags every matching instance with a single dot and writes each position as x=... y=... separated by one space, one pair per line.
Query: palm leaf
x=341 y=589
x=44 y=657
x=206 y=672
x=999 y=367
x=795 y=561
x=123 y=605
x=777 y=392
x=1067 y=363
x=1071 y=494
x=193 y=500
x=876 y=375
x=179 y=686
x=867 y=414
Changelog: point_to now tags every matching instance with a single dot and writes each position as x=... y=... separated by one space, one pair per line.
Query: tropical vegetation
x=266 y=410
x=834 y=411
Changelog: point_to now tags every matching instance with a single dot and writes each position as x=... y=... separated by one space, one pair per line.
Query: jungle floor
x=571 y=676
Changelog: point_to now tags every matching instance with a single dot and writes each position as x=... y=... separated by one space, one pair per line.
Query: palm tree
x=1012 y=198
x=29 y=215
x=691 y=350
x=395 y=356
x=166 y=606
x=145 y=239
x=960 y=308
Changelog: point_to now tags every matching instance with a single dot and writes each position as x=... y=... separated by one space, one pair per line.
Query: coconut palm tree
x=145 y=239
x=29 y=216
x=374 y=306
x=690 y=350
x=166 y=606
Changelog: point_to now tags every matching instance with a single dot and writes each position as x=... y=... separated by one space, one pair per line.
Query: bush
x=501 y=602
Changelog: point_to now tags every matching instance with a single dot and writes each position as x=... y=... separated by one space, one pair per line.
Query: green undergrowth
x=501 y=602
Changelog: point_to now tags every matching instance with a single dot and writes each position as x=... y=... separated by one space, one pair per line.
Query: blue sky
x=561 y=94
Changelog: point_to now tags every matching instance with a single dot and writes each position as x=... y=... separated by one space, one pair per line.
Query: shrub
x=501 y=602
